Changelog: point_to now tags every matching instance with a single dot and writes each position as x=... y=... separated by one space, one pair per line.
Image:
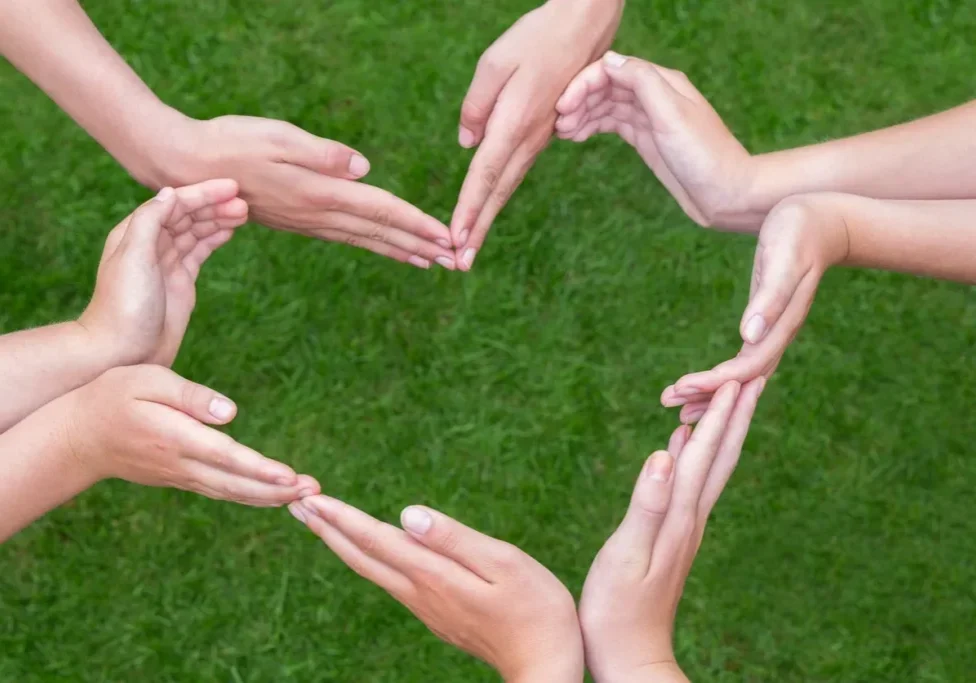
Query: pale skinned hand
x=632 y=591
x=147 y=425
x=477 y=593
x=672 y=126
x=799 y=240
x=146 y=286
x=509 y=109
x=298 y=182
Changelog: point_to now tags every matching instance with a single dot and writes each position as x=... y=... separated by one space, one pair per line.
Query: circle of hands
x=481 y=594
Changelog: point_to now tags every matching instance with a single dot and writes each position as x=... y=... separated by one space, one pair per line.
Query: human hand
x=298 y=182
x=800 y=239
x=145 y=290
x=477 y=593
x=510 y=105
x=632 y=591
x=674 y=129
x=145 y=424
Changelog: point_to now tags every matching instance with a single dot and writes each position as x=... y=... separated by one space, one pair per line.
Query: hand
x=145 y=291
x=800 y=239
x=143 y=424
x=632 y=591
x=510 y=105
x=674 y=129
x=482 y=595
x=295 y=181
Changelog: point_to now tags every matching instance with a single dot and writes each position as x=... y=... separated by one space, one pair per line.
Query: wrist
x=666 y=671
x=559 y=669
x=161 y=150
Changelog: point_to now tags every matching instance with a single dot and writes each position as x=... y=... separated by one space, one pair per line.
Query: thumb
x=633 y=541
x=481 y=554
x=163 y=386
x=146 y=222
x=660 y=101
x=321 y=154
x=487 y=84
x=777 y=277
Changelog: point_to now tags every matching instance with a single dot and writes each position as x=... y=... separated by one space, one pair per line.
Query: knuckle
x=369 y=543
x=449 y=541
x=490 y=176
x=382 y=217
x=472 y=112
x=353 y=241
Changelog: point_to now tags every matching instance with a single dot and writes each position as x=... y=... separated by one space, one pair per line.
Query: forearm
x=929 y=238
x=39 y=471
x=55 y=44
x=658 y=672
x=930 y=158
x=39 y=365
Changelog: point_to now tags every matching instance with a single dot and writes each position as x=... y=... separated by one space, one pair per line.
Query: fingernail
x=297 y=512
x=755 y=328
x=358 y=165
x=416 y=520
x=221 y=408
x=468 y=257
x=659 y=467
x=465 y=138
x=445 y=262
x=164 y=194
x=419 y=262
x=463 y=238
x=444 y=243
x=614 y=60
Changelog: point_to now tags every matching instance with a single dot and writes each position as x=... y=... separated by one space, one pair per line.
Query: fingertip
x=164 y=195
x=466 y=137
x=358 y=165
x=222 y=409
x=658 y=467
x=754 y=329
x=416 y=520
x=614 y=60
x=307 y=486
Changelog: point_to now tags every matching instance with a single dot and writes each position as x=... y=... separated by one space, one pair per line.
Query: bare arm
x=39 y=471
x=930 y=238
x=930 y=158
x=55 y=44
x=37 y=366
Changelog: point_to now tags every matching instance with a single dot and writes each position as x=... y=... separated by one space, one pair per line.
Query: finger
x=217 y=450
x=479 y=102
x=142 y=234
x=778 y=278
x=484 y=172
x=381 y=248
x=671 y=399
x=163 y=386
x=207 y=220
x=731 y=447
x=195 y=259
x=753 y=360
x=386 y=543
x=319 y=154
x=380 y=207
x=194 y=197
x=371 y=569
x=509 y=180
x=354 y=225
x=700 y=451
x=660 y=100
x=632 y=542
x=220 y=484
x=483 y=555
x=591 y=79
x=679 y=437
x=693 y=412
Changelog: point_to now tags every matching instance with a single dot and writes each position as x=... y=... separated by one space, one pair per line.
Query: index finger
x=384 y=542
x=485 y=171
x=381 y=207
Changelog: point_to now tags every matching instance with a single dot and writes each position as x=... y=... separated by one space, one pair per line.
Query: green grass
x=522 y=397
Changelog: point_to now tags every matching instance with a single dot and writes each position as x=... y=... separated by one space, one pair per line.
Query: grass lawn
x=522 y=397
